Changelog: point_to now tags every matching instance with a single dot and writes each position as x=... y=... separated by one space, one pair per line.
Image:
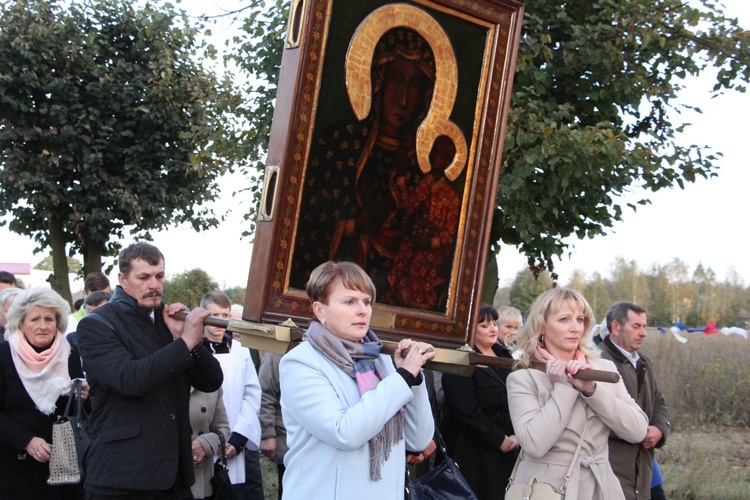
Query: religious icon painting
x=385 y=151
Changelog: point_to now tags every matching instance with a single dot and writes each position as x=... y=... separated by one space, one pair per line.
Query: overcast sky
x=704 y=223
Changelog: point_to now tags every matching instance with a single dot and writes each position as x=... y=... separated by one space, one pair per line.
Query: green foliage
x=593 y=111
x=189 y=287
x=108 y=124
x=628 y=283
x=706 y=300
x=598 y=293
x=236 y=294
x=257 y=55
x=527 y=287
x=74 y=265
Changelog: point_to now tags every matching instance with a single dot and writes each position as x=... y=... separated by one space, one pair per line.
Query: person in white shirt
x=241 y=399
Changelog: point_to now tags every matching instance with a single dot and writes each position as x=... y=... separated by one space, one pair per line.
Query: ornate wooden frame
x=485 y=36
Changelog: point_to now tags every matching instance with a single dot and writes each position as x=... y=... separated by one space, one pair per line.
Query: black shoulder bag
x=444 y=482
x=220 y=482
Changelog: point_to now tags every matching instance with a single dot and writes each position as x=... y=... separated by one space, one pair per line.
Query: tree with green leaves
x=706 y=306
x=108 y=124
x=597 y=292
x=594 y=112
x=662 y=294
x=628 y=283
x=189 y=287
x=46 y=264
x=527 y=287
x=236 y=294
x=734 y=299
x=257 y=51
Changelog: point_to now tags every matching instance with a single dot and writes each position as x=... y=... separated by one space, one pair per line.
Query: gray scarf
x=358 y=361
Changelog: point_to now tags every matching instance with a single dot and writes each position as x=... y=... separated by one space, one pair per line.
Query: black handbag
x=220 y=482
x=444 y=482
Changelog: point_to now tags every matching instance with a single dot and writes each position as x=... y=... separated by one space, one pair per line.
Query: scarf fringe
x=382 y=443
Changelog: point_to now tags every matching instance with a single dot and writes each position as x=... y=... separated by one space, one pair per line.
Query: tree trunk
x=92 y=257
x=491 y=278
x=59 y=278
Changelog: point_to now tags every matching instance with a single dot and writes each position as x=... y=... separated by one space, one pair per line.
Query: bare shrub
x=706 y=380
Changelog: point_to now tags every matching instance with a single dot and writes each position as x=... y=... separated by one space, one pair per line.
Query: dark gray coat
x=140 y=387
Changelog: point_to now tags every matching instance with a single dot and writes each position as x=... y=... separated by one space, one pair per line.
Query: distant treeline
x=669 y=292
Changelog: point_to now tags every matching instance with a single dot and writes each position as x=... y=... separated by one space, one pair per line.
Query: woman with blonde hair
x=37 y=366
x=552 y=411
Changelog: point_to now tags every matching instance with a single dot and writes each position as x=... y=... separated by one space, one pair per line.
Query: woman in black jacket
x=37 y=366
x=477 y=428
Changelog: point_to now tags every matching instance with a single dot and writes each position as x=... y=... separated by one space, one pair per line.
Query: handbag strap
x=74 y=395
x=568 y=474
x=222 y=447
x=80 y=410
x=575 y=459
x=439 y=440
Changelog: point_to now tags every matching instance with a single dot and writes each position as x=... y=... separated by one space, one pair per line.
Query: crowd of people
x=338 y=417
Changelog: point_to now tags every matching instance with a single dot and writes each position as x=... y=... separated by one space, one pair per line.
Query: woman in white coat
x=550 y=409
x=350 y=415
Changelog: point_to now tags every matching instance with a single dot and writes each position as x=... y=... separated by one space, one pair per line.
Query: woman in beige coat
x=550 y=409
x=207 y=413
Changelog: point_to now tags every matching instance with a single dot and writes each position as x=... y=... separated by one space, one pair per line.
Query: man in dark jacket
x=140 y=362
x=633 y=463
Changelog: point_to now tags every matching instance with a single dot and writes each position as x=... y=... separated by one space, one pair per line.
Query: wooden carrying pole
x=282 y=338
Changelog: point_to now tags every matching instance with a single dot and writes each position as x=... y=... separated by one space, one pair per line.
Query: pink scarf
x=44 y=374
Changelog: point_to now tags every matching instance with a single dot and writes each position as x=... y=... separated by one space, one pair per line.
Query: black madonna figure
x=360 y=171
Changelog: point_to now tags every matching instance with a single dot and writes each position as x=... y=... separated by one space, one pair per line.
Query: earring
x=542 y=338
x=323 y=322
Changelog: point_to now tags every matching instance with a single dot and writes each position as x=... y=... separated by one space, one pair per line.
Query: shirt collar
x=632 y=358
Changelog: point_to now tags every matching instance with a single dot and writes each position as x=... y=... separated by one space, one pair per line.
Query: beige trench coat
x=207 y=413
x=549 y=418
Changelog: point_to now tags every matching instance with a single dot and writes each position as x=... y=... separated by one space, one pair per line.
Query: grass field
x=711 y=463
x=270 y=479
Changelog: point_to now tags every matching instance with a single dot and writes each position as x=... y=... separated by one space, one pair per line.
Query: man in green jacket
x=94 y=282
x=633 y=463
